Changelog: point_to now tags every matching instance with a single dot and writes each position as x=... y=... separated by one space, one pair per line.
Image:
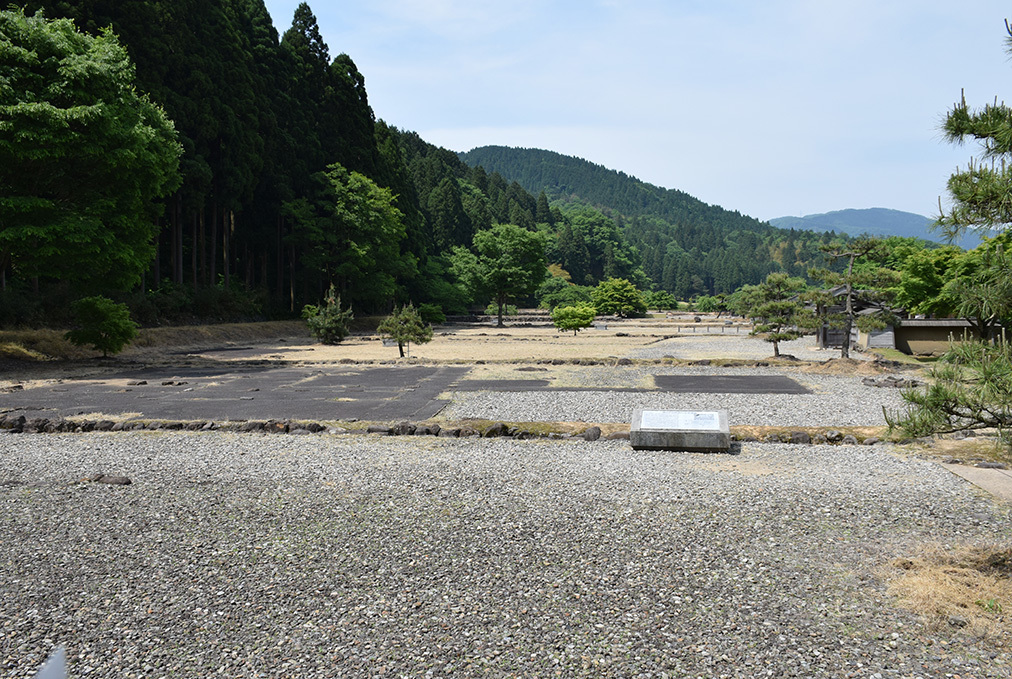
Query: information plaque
x=680 y=419
x=689 y=430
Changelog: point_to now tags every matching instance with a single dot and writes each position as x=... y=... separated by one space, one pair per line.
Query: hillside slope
x=572 y=179
x=686 y=246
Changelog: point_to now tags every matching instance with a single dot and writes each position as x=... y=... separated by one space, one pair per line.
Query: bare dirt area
x=470 y=344
x=642 y=340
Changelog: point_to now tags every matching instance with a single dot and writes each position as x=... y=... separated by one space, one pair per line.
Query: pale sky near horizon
x=779 y=108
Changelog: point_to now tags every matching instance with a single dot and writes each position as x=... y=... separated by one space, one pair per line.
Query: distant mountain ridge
x=570 y=178
x=875 y=221
x=685 y=246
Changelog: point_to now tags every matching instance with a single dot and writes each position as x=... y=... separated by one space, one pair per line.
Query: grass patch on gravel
x=761 y=432
x=967 y=588
x=974 y=449
x=38 y=345
x=897 y=355
x=183 y=335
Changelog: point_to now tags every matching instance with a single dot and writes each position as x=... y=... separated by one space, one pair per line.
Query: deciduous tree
x=351 y=232
x=618 y=296
x=84 y=157
x=573 y=318
x=662 y=300
x=103 y=324
x=507 y=263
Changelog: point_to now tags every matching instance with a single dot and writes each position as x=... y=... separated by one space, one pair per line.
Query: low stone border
x=801 y=437
x=41 y=425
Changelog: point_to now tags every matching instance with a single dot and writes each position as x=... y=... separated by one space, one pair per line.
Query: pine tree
x=777 y=310
x=871 y=284
x=405 y=325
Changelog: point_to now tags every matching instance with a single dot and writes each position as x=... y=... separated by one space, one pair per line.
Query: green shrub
x=105 y=325
x=328 y=323
x=493 y=309
x=573 y=318
x=662 y=300
x=432 y=314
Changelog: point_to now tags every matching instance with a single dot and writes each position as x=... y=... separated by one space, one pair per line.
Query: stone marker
x=689 y=430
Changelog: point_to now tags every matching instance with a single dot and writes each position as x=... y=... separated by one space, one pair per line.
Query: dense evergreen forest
x=688 y=247
x=289 y=183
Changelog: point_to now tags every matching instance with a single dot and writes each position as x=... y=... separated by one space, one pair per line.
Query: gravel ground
x=696 y=346
x=835 y=401
x=353 y=556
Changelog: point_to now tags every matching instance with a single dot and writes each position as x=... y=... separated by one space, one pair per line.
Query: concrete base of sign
x=689 y=430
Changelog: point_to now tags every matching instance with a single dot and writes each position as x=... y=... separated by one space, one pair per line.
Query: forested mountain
x=288 y=183
x=570 y=178
x=875 y=222
x=687 y=246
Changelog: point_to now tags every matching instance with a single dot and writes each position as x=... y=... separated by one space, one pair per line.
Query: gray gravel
x=742 y=345
x=835 y=401
x=349 y=556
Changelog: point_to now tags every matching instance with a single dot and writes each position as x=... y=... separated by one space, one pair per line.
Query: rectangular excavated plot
x=729 y=384
x=500 y=385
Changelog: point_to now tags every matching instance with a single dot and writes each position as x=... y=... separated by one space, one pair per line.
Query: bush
x=573 y=318
x=618 y=296
x=105 y=325
x=330 y=323
x=432 y=314
x=493 y=309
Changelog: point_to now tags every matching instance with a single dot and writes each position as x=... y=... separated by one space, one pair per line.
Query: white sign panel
x=679 y=420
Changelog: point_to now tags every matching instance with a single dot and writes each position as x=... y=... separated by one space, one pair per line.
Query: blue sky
x=785 y=107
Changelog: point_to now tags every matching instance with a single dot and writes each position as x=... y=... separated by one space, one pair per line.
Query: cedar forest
x=288 y=183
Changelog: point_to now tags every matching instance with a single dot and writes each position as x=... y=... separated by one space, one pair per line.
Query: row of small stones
x=21 y=424
x=737 y=363
x=41 y=425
